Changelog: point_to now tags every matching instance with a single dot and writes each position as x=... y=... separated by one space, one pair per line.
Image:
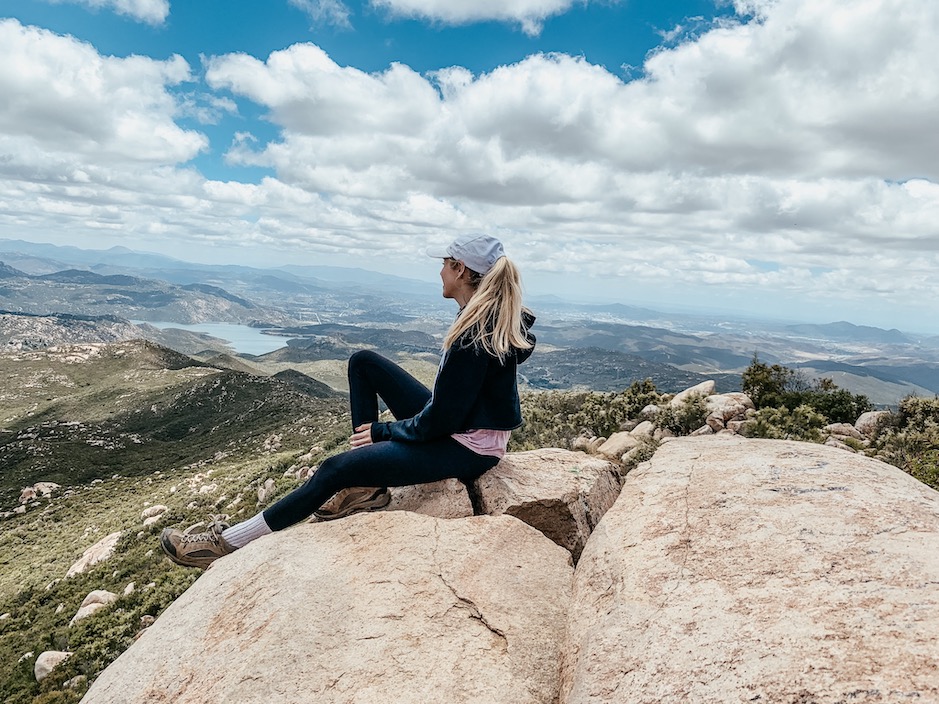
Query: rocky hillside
x=79 y=413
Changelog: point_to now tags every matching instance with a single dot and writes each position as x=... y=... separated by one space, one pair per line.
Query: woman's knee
x=362 y=358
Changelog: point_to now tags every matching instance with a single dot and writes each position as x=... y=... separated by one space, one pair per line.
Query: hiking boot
x=354 y=500
x=192 y=549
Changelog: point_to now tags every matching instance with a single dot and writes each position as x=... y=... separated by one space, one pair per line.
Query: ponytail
x=493 y=316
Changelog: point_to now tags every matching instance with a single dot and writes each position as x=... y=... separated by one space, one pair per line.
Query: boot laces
x=213 y=530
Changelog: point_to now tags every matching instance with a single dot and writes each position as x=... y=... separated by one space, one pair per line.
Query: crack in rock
x=463 y=601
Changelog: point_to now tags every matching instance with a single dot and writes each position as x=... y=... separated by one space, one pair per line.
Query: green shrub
x=800 y=423
x=925 y=467
x=909 y=439
x=765 y=385
x=777 y=386
x=684 y=418
x=554 y=418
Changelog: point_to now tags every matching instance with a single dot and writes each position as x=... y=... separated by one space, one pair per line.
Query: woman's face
x=450 y=275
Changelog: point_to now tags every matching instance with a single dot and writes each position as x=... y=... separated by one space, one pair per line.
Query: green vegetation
x=780 y=387
x=554 y=418
x=685 y=418
x=133 y=408
x=909 y=438
x=791 y=408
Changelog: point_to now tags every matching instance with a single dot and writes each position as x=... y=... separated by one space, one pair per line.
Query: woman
x=459 y=430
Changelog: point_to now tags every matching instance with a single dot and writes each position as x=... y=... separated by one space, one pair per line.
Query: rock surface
x=98 y=552
x=91 y=604
x=47 y=661
x=734 y=570
x=445 y=499
x=563 y=494
x=618 y=444
x=705 y=388
x=384 y=607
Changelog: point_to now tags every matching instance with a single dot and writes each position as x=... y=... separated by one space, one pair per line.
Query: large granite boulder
x=374 y=608
x=563 y=494
x=734 y=570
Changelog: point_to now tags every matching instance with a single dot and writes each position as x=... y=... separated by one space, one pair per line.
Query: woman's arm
x=455 y=391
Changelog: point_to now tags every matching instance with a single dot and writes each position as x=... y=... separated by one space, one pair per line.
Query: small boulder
x=265 y=492
x=91 y=604
x=832 y=441
x=732 y=406
x=77 y=682
x=153 y=511
x=867 y=423
x=98 y=552
x=843 y=430
x=46 y=488
x=715 y=422
x=47 y=661
x=643 y=430
x=617 y=445
x=563 y=494
x=705 y=388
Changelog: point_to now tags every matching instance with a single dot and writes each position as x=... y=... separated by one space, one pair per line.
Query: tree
x=764 y=384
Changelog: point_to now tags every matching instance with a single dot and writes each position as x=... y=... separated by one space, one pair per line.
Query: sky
x=777 y=158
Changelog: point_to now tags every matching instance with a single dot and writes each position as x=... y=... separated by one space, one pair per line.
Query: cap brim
x=437 y=253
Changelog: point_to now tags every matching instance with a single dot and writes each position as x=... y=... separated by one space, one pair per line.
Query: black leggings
x=386 y=463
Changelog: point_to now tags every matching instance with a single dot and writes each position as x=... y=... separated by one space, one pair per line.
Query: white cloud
x=333 y=12
x=65 y=106
x=529 y=14
x=152 y=12
x=793 y=156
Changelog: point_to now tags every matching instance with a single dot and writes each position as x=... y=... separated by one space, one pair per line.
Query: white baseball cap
x=479 y=252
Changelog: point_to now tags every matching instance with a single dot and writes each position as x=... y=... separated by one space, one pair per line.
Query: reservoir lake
x=243 y=339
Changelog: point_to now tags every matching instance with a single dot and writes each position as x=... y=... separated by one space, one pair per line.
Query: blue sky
x=773 y=157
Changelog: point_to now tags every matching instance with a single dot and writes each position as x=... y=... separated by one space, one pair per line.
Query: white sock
x=241 y=534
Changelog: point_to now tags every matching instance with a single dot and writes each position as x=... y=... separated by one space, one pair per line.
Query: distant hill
x=843 y=330
x=8 y=272
x=299 y=381
x=82 y=292
x=602 y=370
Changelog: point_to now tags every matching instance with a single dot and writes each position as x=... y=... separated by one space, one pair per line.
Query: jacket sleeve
x=458 y=382
x=528 y=319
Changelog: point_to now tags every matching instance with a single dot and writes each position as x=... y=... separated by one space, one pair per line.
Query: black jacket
x=473 y=391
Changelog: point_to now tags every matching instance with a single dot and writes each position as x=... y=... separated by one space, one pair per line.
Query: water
x=243 y=339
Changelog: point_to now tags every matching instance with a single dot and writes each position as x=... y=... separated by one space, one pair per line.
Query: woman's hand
x=362 y=436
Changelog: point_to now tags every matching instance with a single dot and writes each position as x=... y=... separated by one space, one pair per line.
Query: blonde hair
x=493 y=314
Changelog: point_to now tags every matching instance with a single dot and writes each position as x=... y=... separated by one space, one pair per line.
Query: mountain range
x=324 y=313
